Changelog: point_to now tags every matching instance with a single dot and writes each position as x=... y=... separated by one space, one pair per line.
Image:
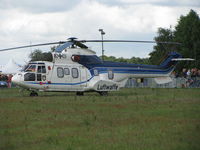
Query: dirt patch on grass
x=9 y=99
x=113 y=105
x=119 y=106
x=89 y=112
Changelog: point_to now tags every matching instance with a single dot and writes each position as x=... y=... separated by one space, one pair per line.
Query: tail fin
x=167 y=63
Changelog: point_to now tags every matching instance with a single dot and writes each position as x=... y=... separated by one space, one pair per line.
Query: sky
x=25 y=22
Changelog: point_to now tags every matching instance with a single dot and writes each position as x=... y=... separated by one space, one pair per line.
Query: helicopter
x=76 y=68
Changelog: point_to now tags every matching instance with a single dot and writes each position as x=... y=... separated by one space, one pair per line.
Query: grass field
x=130 y=119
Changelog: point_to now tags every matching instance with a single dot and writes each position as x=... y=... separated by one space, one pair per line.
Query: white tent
x=1 y=67
x=11 y=67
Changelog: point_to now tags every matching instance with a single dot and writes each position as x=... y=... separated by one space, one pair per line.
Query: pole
x=102 y=33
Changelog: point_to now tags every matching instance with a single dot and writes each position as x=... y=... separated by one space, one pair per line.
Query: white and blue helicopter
x=76 y=68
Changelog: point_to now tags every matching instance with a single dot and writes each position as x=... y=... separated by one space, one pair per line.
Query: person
x=183 y=77
x=188 y=73
x=198 y=77
x=198 y=73
x=4 y=78
x=9 y=80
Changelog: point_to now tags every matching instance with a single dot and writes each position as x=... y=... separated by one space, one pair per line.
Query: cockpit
x=30 y=68
x=35 y=72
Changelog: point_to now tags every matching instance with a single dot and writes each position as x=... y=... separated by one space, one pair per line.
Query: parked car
x=3 y=84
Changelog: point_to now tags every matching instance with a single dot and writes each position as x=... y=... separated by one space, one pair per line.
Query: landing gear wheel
x=79 y=93
x=33 y=93
x=104 y=93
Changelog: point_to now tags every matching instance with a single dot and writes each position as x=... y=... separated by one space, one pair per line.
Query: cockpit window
x=30 y=68
x=41 y=69
x=29 y=77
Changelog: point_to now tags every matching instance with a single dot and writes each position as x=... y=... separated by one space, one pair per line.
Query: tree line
x=186 y=32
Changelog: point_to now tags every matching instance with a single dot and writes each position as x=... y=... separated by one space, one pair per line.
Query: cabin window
x=110 y=74
x=75 y=73
x=60 y=72
x=66 y=71
x=31 y=68
x=96 y=72
x=29 y=77
x=41 y=69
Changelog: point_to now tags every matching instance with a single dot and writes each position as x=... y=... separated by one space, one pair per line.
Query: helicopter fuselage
x=78 y=69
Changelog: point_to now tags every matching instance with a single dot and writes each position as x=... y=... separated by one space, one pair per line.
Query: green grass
x=139 y=119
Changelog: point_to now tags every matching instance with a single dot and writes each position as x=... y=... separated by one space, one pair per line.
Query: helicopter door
x=41 y=73
x=83 y=76
x=75 y=74
x=78 y=77
x=67 y=75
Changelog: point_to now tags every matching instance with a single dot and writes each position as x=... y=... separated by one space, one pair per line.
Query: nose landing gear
x=33 y=93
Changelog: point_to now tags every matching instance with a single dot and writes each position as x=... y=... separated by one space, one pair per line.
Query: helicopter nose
x=17 y=78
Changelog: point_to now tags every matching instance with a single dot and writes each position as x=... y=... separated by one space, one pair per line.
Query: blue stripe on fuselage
x=131 y=70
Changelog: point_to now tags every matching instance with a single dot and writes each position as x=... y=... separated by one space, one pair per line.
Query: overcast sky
x=25 y=22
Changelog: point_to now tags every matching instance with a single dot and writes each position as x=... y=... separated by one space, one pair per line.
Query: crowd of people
x=190 y=77
x=7 y=79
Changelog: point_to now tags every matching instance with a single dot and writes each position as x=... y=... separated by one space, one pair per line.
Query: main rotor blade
x=43 y=44
x=131 y=41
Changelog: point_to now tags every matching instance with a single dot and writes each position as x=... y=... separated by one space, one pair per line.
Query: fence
x=179 y=82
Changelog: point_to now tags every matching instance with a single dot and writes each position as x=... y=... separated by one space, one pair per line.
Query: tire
x=33 y=93
x=104 y=93
x=79 y=93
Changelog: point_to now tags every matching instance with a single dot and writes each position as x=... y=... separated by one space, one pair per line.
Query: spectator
x=4 y=78
x=183 y=76
x=184 y=73
x=188 y=73
x=198 y=73
x=9 y=80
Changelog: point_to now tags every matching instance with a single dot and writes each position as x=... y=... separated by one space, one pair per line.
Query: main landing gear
x=79 y=93
x=33 y=93
x=103 y=93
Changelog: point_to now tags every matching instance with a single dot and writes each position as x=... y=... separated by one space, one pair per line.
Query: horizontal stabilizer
x=163 y=80
x=183 y=59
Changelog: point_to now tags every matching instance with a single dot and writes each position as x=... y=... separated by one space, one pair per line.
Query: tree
x=187 y=32
x=161 y=50
x=38 y=55
x=135 y=60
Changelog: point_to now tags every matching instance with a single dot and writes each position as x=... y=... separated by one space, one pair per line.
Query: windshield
x=30 y=68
